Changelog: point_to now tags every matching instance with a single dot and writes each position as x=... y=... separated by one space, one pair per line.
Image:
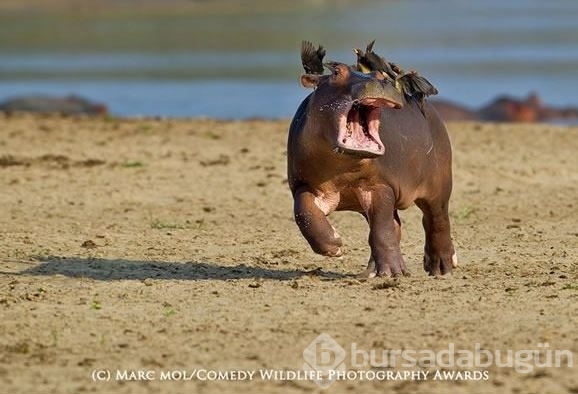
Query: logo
x=324 y=356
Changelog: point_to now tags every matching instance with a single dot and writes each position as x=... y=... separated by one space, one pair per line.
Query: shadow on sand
x=119 y=269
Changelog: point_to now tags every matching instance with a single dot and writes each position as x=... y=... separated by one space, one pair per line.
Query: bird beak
x=363 y=69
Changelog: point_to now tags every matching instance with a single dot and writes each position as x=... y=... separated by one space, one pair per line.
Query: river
x=245 y=63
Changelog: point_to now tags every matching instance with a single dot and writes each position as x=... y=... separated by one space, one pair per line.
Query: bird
x=410 y=83
x=369 y=61
x=311 y=58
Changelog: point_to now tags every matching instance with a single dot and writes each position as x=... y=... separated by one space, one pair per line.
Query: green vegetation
x=96 y=305
x=159 y=224
x=464 y=213
x=132 y=164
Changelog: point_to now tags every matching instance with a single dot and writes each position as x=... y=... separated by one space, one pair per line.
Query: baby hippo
x=357 y=144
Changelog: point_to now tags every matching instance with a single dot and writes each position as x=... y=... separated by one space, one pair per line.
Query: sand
x=169 y=245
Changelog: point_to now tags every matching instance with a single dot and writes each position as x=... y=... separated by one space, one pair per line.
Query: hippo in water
x=69 y=105
x=528 y=110
x=451 y=111
x=506 y=109
x=356 y=143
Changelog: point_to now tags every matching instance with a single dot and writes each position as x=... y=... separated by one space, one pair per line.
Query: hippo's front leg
x=314 y=225
x=384 y=235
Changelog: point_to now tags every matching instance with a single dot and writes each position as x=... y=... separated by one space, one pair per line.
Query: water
x=243 y=63
x=229 y=99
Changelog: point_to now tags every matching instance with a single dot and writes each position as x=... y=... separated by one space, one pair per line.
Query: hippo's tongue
x=359 y=133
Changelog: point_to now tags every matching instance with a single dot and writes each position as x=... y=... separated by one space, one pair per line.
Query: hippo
x=451 y=111
x=356 y=143
x=531 y=109
x=506 y=109
x=509 y=109
x=69 y=105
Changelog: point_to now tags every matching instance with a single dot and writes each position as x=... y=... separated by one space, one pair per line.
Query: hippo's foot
x=393 y=268
x=327 y=244
x=313 y=223
x=332 y=247
x=331 y=252
x=436 y=263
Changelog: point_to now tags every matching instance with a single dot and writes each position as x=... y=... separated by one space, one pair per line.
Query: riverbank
x=169 y=245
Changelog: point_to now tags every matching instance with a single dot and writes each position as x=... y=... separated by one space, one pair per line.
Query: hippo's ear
x=310 y=80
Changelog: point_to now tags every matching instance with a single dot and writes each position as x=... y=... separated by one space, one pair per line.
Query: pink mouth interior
x=359 y=130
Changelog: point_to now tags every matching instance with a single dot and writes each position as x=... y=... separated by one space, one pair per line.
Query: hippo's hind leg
x=314 y=225
x=439 y=253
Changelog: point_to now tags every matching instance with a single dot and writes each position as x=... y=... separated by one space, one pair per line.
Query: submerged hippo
x=69 y=105
x=506 y=109
x=531 y=109
x=357 y=144
x=451 y=111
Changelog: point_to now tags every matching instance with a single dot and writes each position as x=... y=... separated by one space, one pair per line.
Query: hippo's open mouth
x=359 y=128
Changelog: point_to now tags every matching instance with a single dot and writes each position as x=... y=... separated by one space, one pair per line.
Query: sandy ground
x=170 y=246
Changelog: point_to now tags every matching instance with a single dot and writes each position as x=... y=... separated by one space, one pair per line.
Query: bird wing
x=311 y=58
